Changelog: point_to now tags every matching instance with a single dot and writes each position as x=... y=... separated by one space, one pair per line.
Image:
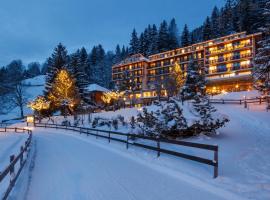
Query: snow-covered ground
x=32 y=88
x=71 y=166
x=76 y=167
x=10 y=144
x=238 y=95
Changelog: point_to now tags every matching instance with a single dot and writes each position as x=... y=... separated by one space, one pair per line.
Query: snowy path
x=70 y=167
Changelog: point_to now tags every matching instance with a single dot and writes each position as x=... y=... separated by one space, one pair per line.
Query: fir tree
x=77 y=63
x=163 y=37
x=207 y=29
x=215 y=23
x=57 y=61
x=194 y=82
x=185 y=37
x=246 y=15
x=118 y=54
x=173 y=33
x=261 y=69
x=134 y=43
x=153 y=46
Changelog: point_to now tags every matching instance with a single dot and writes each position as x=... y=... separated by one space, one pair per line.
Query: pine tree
x=134 y=43
x=194 y=82
x=185 y=37
x=227 y=15
x=118 y=54
x=207 y=32
x=153 y=46
x=246 y=15
x=163 y=37
x=173 y=33
x=57 y=62
x=215 y=23
x=64 y=94
x=77 y=63
x=33 y=69
x=261 y=69
x=84 y=63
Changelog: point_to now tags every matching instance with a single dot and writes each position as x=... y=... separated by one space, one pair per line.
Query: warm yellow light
x=30 y=119
x=236 y=86
x=40 y=103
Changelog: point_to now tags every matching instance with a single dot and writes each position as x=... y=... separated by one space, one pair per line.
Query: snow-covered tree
x=207 y=31
x=163 y=37
x=209 y=121
x=194 y=81
x=173 y=35
x=261 y=63
x=166 y=121
x=134 y=43
x=64 y=93
x=57 y=61
x=185 y=37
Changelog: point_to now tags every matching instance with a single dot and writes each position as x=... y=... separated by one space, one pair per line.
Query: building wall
x=227 y=61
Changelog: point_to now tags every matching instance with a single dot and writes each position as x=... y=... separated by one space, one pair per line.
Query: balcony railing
x=220 y=60
x=233 y=68
x=217 y=51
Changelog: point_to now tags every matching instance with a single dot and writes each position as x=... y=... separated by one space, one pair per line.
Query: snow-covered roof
x=132 y=59
x=95 y=87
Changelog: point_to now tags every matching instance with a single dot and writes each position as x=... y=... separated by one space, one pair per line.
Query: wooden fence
x=259 y=100
x=131 y=139
x=14 y=159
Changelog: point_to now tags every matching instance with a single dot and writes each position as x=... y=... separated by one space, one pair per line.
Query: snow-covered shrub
x=66 y=123
x=167 y=120
x=147 y=122
x=122 y=120
x=209 y=120
x=99 y=122
x=172 y=119
x=115 y=124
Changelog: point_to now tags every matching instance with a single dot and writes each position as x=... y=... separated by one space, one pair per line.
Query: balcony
x=226 y=59
x=225 y=69
x=222 y=50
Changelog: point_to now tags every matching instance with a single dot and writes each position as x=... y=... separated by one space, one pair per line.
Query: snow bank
x=238 y=95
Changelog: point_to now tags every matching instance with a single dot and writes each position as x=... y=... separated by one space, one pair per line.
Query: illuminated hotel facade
x=227 y=61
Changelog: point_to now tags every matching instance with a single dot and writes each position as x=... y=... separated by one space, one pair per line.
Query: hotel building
x=227 y=61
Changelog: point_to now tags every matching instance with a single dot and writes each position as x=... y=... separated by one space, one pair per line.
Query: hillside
x=32 y=88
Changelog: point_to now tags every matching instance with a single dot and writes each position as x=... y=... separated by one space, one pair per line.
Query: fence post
x=16 y=130
x=109 y=137
x=216 y=163
x=240 y=101
x=260 y=100
x=158 y=146
x=80 y=130
x=245 y=104
x=11 y=171
x=21 y=158
x=5 y=129
x=127 y=141
x=223 y=102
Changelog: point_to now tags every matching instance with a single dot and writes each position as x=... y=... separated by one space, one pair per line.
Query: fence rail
x=14 y=159
x=130 y=139
x=259 y=100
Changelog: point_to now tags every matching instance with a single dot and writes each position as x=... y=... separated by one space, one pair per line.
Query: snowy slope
x=75 y=167
x=244 y=164
x=238 y=95
x=32 y=87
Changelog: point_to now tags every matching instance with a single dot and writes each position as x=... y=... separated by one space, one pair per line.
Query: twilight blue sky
x=30 y=29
